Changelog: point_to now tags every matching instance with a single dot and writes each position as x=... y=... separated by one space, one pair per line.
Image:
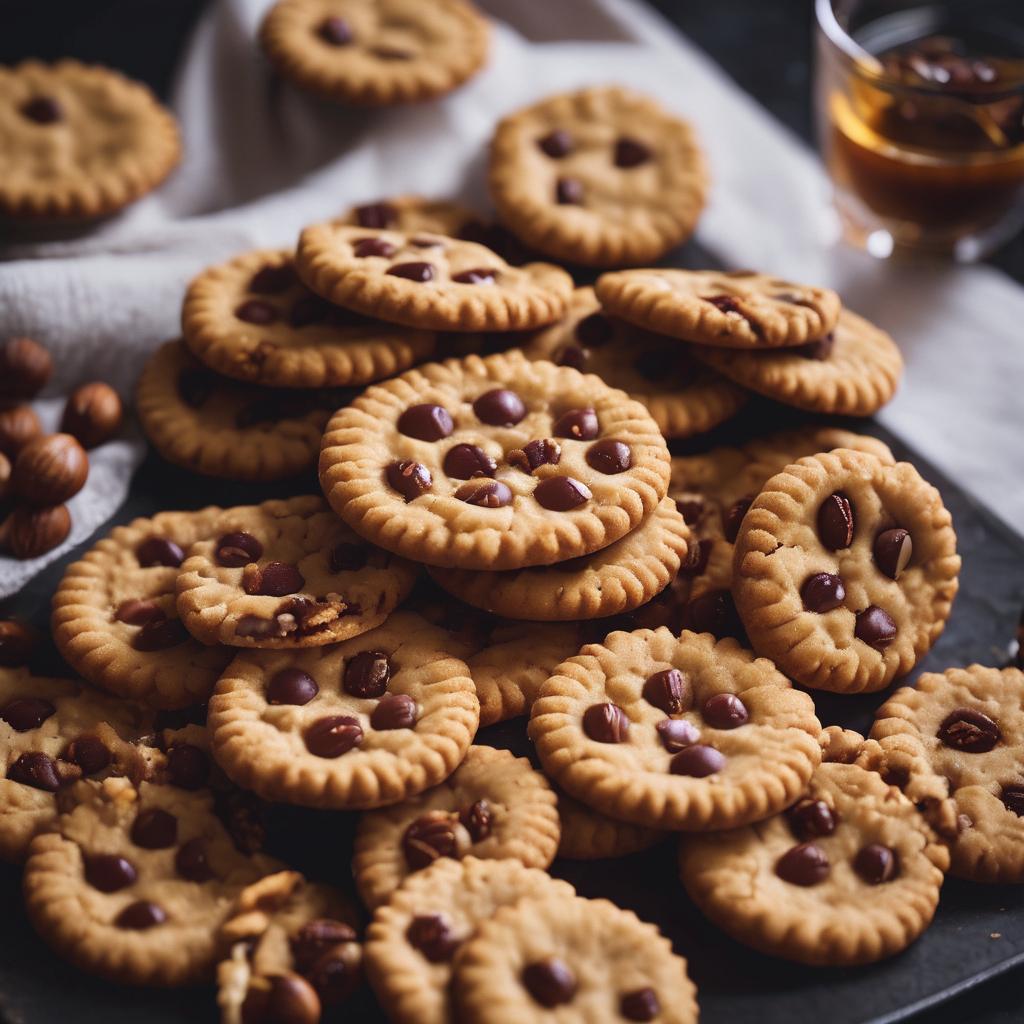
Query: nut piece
x=93 y=413
x=25 y=367
x=29 y=532
x=17 y=642
x=19 y=424
x=50 y=470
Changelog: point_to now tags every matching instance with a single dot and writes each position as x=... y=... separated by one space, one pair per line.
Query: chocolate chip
x=641 y=1004
x=820 y=349
x=291 y=686
x=90 y=754
x=366 y=247
x=275 y=579
x=195 y=386
x=336 y=975
x=594 y=330
x=691 y=509
x=477 y=819
x=432 y=935
x=191 y=861
x=670 y=690
x=410 y=479
x=892 y=551
x=333 y=735
x=376 y=215
x=336 y=32
x=141 y=915
x=609 y=456
x=188 y=767
x=556 y=144
x=805 y=864
x=237 y=549
x=430 y=836
x=290 y=999
x=37 y=770
x=810 y=819
x=155 y=829
x=822 y=592
x=631 y=153
x=348 y=557
x=478 y=275
x=676 y=734
x=394 y=711
x=309 y=309
x=734 y=517
x=367 y=675
x=876 y=864
x=713 y=612
x=572 y=355
x=416 y=271
x=270 y=280
x=698 y=761
x=697 y=556
x=466 y=461
x=108 y=872
x=561 y=493
x=255 y=311
x=485 y=493
x=42 y=110
x=535 y=453
x=724 y=303
x=317 y=937
x=725 y=711
x=835 y=522
x=137 y=612
x=24 y=713
x=159 y=551
x=499 y=408
x=875 y=627
x=158 y=634
x=1012 y=796
x=551 y=982
x=606 y=723
x=569 y=191
x=426 y=422
x=580 y=424
x=970 y=731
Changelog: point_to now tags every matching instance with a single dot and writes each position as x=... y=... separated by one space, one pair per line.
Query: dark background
x=764 y=45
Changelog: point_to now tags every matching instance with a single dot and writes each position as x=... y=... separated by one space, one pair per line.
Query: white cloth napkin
x=262 y=160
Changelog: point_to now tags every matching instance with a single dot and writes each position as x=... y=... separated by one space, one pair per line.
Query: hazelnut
x=17 y=642
x=25 y=367
x=19 y=424
x=49 y=470
x=28 y=532
x=92 y=414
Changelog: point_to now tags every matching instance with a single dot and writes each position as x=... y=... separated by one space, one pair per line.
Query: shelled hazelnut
x=49 y=470
x=17 y=642
x=19 y=424
x=25 y=367
x=92 y=414
x=29 y=532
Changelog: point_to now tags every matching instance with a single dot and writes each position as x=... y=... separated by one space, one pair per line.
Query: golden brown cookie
x=411 y=213
x=730 y=309
x=845 y=570
x=493 y=806
x=603 y=177
x=588 y=835
x=493 y=463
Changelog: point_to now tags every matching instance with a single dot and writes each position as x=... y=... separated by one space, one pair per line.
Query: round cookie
x=287 y=574
x=587 y=835
x=361 y=724
x=52 y=733
x=115 y=619
x=79 y=141
x=967 y=726
x=845 y=570
x=615 y=579
x=411 y=213
x=493 y=806
x=853 y=371
x=429 y=281
x=375 y=54
x=133 y=884
x=220 y=427
x=413 y=938
x=602 y=177
x=252 y=319
x=681 y=396
x=572 y=960
x=675 y=732
x=568 y=464
x=729 y=309
x=849 y=875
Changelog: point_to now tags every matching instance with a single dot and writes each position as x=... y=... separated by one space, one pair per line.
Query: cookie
x=429 y=281
x=495 y=463
x=134 y=883
x=252 y=319
x=961 y=734
x=615 y=579
x=115 y=620
x=220 y=427
x=493 y=806
x=853 y=371
x=729 y=309
x=845 y=570
x=52 y=733
x=588 y=835
x=410 y=214
x=287 y=574
x=361 y=724
x=413 y=937
x=80 y=141
x=602 y=177
x=390 y=51
x=570 y=959
x=293 y=943
x=677 y=732
x=849 y=875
